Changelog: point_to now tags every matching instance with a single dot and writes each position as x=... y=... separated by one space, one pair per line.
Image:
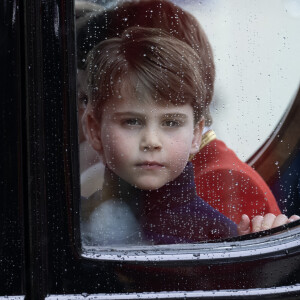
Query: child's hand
x=259 y=223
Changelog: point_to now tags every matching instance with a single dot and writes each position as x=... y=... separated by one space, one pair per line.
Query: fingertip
x=293 y=218
x=257 y=223
x=245 y=217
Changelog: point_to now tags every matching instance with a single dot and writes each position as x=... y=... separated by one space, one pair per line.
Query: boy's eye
x=133 y=122
x=171 y=123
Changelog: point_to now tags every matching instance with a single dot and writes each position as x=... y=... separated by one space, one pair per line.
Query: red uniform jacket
x=230 y=185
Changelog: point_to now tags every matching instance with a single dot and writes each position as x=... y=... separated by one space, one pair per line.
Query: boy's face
x=145 y=144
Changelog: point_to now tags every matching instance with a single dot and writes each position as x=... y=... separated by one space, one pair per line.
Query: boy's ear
x=198 y=129
x=92 y=130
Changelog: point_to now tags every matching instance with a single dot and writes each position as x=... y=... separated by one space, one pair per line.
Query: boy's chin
x=149 y=186
x=150 y=183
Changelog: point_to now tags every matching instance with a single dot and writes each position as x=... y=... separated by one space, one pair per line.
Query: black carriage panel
x=41 y=159
x=12 y=275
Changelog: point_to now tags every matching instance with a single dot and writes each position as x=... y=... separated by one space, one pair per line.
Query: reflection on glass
x=151 y=172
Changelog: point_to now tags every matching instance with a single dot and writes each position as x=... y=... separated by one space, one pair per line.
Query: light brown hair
x=146 y=61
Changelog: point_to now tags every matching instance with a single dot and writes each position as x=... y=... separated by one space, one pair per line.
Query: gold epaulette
x=207 y=137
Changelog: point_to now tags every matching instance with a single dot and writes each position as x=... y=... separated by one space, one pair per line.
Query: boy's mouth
x=150 y=165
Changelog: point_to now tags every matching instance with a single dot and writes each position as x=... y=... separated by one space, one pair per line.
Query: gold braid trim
x=207 y=137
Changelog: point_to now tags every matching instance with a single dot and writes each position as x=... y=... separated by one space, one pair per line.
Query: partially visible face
x=146 y=144
x=81 y=77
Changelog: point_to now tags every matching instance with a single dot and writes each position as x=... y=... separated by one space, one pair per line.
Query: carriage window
x=173 y=99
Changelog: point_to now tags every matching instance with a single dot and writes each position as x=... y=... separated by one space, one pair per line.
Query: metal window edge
x=12 y=297
x=281 y=243
x=284 y=290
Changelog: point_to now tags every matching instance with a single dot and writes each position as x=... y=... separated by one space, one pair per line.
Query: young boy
x=146 y=100
x=222 y=179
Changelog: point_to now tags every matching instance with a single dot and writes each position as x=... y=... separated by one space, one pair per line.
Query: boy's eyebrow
x=175 y=115
x=141 y=115
x=130 y=113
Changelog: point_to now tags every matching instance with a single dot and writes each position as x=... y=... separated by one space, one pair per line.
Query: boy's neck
x=171 y=193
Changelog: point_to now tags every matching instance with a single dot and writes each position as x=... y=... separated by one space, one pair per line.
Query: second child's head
x=146 y=100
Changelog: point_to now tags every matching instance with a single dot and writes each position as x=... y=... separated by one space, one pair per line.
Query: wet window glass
x=174 y=98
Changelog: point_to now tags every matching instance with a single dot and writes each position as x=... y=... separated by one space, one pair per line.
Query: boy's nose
x=150 y=141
